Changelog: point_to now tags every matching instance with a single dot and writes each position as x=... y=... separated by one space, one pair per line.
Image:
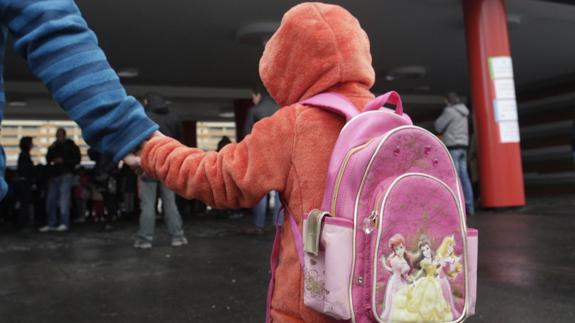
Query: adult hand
x=133 y=159
x=134 y=162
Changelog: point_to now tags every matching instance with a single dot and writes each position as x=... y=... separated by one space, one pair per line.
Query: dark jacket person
x=63 y=156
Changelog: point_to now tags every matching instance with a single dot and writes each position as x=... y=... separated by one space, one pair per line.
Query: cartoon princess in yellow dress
x=450 y=268
x=422 y=301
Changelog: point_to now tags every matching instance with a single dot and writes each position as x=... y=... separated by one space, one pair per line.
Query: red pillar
x=494 y=105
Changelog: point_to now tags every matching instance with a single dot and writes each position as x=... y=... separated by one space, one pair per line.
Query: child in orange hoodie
x=317 y=48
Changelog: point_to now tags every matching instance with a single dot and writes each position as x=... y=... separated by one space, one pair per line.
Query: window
x=210 y=133
x=43 y=134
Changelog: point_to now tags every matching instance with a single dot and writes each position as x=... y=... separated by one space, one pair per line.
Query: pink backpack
x=390 y=242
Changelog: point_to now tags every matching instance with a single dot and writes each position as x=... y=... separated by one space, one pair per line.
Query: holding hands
x=133 y=159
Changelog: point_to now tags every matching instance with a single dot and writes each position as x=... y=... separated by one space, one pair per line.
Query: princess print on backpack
x=397 y=264
x=422 y=301
x=451 y=267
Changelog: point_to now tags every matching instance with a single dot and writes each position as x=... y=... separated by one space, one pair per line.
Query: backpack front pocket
x=419 y=266
x=327 y=263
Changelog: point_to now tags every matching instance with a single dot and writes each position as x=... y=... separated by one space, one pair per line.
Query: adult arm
x=75 y=156
x=63 y=52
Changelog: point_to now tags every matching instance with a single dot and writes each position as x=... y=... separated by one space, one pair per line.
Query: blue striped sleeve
x=63 y=52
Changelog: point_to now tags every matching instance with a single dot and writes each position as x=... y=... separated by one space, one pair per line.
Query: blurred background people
x=223 y=142
x=62 y=158
x=453 y=123
x=25 y=184
x=105 y=186
x=158 y=110
x=264 y=106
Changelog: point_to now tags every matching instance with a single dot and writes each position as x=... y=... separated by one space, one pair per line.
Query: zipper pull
x=369 y=223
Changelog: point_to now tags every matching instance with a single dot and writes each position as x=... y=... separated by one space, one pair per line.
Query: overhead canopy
x=203 y=54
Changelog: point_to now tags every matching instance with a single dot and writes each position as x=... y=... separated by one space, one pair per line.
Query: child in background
x=81 y=194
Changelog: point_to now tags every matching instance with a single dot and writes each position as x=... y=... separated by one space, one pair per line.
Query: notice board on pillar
x=504 y=102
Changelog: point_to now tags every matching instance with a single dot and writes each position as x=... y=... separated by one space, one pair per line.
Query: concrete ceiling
x=189 y=50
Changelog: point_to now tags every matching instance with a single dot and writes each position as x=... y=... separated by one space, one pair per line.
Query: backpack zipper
x=372 y=221
x=341 y=172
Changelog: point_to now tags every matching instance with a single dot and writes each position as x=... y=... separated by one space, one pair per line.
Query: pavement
x=526 y=271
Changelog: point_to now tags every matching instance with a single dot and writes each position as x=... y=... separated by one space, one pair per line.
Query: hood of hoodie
x=317 y=48
x=461 y=108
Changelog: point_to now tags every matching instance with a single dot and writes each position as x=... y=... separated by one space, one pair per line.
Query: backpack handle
x=333 y=102
x=389 y=97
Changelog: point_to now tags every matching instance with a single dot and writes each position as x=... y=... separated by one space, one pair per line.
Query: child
x=81 y=191
x=317 y=48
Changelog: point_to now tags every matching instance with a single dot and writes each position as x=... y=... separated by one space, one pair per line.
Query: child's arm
x=239 y=175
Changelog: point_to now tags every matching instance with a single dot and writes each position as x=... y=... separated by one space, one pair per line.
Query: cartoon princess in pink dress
x=398 y=265
x=450 y=268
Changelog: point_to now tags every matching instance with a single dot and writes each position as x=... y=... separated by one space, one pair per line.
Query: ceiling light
x=226 y=115
x=409 y=72
x=423 y=88
x=128 y=72
x=18 y=103
x=514 y=19
x=256 y=33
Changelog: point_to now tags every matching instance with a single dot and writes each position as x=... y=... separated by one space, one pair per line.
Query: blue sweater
x=63 y=52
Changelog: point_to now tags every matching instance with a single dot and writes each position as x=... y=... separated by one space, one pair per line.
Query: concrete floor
x=526 y=272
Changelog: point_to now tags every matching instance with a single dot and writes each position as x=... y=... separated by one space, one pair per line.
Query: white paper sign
x=504 y=89
x=501 y=67
x=505 y=110
x=509 y=131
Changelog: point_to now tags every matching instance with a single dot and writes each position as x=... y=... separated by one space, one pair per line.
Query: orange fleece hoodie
x=317 y=48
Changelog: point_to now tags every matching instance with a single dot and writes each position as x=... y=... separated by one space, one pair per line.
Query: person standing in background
x=454 y=125
x=127 y=186
x=62 y=158
x=26 y=184
x=264 y=106
x=104 y=180
x=232 y=214
x=170 y=125
x=81 y=194
x=223 y=142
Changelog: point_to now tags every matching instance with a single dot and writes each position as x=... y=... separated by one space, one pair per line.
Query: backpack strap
x=274 y=259
x=333 y=102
